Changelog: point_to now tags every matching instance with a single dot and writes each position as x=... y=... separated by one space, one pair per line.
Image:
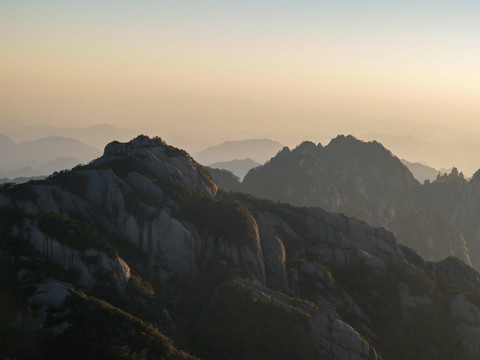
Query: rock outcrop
x=144 y=235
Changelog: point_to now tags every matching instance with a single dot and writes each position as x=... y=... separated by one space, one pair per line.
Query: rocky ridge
x=144 y=239
x=366 y=181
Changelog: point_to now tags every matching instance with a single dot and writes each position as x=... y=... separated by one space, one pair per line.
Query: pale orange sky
x=358 y=59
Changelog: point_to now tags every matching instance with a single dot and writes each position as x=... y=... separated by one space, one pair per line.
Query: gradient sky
x=385 y=60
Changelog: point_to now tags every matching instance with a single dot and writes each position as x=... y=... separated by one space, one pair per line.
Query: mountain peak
x=165 y=161
x=476 y=177
x=81 y=245
x=350 y=140
x=139 y=142
x=259 y=150
x=306 y=146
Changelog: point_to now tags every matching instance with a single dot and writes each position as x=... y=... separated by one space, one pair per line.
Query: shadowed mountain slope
x=366 y=181
x=139 y=254
x=360 y=179
x=259 y=150
x=239 y=167
x=420 y=171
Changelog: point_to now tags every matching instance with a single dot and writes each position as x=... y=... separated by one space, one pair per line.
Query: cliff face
x=143 y=235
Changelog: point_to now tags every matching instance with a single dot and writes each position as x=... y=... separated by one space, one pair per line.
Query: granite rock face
x=144 y=235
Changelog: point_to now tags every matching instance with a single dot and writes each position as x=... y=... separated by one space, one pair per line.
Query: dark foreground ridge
x=139 y=255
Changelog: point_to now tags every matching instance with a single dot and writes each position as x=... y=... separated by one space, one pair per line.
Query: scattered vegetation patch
x=116 y=335
x=73 y=233
x=18 y=191
x=16 y=343
x=11 y=216
x=242 y=324
x=124 y=166
x=226 y=218
x=430 y=333
x=419 y=283
x=72 y=181
x=10 y=244
x=427 y=331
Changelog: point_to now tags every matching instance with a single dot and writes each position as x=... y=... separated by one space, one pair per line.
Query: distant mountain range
x=365 y=180
x=420 y=171
x=439 y=155
x=139 y=255
x=42 y=156
x=24 y=172
x=231 y=152
x=423 y=172
x=97 y=136
x=237 y=167
x=20 y=179
x=258 y=150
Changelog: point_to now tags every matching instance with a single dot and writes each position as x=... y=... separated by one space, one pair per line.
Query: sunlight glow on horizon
x=416 y=60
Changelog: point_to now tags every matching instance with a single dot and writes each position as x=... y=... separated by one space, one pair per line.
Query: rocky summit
x=140 y=255
x=366 y=181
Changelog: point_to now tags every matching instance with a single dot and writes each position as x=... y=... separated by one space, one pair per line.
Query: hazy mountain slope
x=149 y=245
x=96 y=135
x=432 y=234
x=439 y=155
x=260 y=150
x=42 y=169
x=7 y=147
x=302 y=169
x=49 y=148
x=6 y=144
x=420 y=171
x=99 y=135
x=225 y=179
x=44 y=156
x=58 y=164
x=239 y=167
x=27 y=171
x=57 y=321
x=360 y=179
x=20 y=180
x=458 y=200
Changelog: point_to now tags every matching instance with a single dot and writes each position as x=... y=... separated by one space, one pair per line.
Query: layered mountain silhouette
x=366 y=181
x=239 y=167
x=141 y=255
x=96 y=135
x=259 y=150
x=42 y=156
x=421 y=172
x=441 y=155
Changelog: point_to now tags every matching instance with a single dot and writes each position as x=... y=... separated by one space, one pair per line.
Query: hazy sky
x=417 y=61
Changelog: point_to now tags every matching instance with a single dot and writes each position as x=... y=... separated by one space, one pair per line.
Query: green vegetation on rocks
x=79 y=236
